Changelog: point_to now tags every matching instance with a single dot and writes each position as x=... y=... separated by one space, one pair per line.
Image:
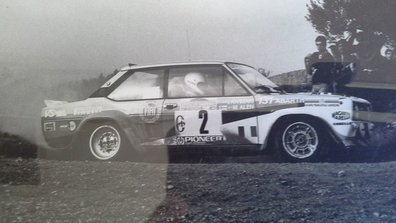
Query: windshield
x=253 y=78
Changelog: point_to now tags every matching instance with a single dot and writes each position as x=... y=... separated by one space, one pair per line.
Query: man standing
x=344 y=68
x=389 y=65
x=389 y=54
x=321 y=66
x=389 y=62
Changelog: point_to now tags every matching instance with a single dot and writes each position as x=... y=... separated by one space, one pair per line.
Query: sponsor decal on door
x=198 y=127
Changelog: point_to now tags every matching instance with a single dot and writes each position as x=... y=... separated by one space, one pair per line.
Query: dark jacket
x=344 y=68
x=321 y=68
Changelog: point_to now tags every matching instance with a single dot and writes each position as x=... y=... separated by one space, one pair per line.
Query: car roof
x=133 y=66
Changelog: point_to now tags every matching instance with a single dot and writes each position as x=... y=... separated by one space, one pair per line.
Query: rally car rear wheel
x=300 y=141
x=105 y=142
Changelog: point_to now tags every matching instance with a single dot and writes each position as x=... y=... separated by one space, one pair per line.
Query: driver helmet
x=195 y=81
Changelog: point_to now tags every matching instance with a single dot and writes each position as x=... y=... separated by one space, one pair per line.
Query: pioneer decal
x=190 y=140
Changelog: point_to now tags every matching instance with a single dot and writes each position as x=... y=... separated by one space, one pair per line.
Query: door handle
x=170 y=106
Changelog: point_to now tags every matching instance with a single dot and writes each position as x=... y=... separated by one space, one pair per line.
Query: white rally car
x=205 y=104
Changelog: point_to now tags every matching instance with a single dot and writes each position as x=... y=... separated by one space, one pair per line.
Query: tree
x=333 y=17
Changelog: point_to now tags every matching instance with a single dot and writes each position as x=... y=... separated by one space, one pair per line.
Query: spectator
x=344 y=68
x=389 y=54
x=389 y=64
x=321 y=66
x=307 y=63
x=368 y=52
x=334 y=49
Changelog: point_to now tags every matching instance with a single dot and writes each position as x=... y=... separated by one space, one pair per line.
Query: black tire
x=103 y=142
x=300 y=140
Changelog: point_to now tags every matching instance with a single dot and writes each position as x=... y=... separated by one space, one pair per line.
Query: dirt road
x=39 y=190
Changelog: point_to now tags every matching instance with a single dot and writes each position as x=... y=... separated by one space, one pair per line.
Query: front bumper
x=362 y=135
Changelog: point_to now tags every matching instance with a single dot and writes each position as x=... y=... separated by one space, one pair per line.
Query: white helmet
x=193 y=81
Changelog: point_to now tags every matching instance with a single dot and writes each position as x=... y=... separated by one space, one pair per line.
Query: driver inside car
x=195 y=82
x=191 y=85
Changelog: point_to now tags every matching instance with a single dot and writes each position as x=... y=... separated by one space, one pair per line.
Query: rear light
x=49 y=126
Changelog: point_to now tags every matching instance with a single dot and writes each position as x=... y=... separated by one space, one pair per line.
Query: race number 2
x=203 y=114
x=198 y=122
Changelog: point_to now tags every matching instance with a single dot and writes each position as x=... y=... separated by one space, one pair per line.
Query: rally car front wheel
x=300 y=141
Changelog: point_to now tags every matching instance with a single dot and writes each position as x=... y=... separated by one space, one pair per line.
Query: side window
x=232 y=87
x=140 y=85
x=197 y=81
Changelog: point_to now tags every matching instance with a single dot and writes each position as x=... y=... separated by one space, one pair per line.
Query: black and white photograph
x=198 y=111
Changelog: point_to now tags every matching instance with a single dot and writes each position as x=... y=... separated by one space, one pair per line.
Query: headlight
x=358 y=106
x=360 y=111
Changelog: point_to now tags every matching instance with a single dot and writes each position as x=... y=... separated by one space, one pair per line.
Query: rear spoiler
x=51 y=103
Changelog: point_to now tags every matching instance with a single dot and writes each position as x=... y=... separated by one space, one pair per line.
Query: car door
x=206 y=105
x=140 y=96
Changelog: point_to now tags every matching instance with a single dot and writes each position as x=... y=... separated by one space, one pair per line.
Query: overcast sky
x=94 y=36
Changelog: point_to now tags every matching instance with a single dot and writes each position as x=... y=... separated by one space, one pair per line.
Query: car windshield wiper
x=268 y=89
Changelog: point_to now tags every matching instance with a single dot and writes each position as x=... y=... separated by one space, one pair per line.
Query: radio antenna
x=188 y=45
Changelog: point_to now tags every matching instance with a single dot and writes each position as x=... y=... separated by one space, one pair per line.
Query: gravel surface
x=195 y=189
x=37 y=190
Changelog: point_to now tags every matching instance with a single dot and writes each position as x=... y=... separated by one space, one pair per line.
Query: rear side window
x=140 y=85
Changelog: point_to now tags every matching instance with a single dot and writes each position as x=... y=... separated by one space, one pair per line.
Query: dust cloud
x=23 y=96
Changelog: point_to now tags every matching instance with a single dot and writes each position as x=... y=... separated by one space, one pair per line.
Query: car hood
x=330 y=97
x=304 y=98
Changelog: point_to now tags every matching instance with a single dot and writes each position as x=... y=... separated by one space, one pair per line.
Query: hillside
x=293 y=81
